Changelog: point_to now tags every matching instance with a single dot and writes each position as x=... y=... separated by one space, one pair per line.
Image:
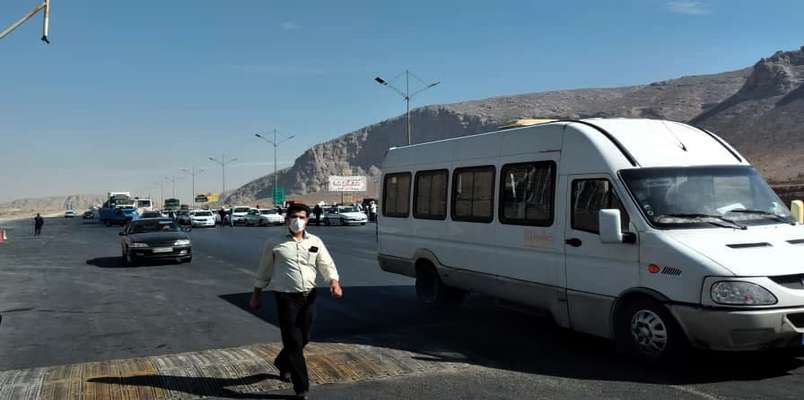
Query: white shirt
x=293 y=266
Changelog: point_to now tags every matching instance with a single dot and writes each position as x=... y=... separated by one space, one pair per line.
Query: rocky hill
x=759 y=109
x=765 y=118
x=54 y=203
x=361 y=151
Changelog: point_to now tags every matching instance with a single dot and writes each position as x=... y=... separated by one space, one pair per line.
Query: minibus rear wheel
x=431 y=291
x=648 y=332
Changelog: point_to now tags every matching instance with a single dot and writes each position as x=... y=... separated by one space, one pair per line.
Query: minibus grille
x=790 y=281
x=796 y=319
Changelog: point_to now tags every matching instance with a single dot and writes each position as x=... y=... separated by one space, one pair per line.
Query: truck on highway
x=656 y=234
x=118 y=209
x=171 y=205
x=144 y=204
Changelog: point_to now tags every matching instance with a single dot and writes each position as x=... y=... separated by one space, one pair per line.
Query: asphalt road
x=65 y=298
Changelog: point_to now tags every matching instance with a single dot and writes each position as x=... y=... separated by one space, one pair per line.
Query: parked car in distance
x=152 y=214
x=237 y=216
x=272 y=217
x=89 y=214
x=202 y=218
x=69 y=214
x=154 y=239
x=344 y=215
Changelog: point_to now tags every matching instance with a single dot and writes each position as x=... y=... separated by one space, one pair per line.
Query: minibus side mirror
x=610 y=228
x=797 y=209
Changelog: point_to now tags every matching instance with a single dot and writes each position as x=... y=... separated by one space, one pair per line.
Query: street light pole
x=276 y=144
x=407 y=96
x=192 y=172
x=222 y=162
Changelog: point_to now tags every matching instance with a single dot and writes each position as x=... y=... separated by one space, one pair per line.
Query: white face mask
x=296 y=225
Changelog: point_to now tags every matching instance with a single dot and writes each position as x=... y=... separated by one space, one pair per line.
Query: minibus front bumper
x=736 y=330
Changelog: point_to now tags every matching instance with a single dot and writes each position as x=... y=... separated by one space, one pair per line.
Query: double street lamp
x=223 y=161
x=275 y=142
x=192 y=172
x=407 y=95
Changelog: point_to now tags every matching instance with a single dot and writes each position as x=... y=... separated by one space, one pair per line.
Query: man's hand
x=335 y=289
x=256 y=300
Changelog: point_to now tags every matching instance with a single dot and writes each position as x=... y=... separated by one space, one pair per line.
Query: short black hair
x=296 y=207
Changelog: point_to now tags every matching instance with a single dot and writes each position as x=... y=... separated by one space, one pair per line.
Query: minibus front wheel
x=431 y=291
x=646 y=331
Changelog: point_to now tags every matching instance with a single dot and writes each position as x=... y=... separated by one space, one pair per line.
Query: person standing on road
x=289 y=268
x=373 y=211
x=222 y=213
x=38 y=222
x=317 y=212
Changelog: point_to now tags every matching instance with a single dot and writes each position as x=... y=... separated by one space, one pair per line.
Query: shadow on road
x=117 y=262
x=485 y=334
x=199 y=386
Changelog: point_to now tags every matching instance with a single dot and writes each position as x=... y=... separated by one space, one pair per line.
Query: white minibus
x=654 y=233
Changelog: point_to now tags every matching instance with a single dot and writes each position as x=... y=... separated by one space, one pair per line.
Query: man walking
x=222 y=214
x=38 y=222
x=317 y=212
x=289 y=268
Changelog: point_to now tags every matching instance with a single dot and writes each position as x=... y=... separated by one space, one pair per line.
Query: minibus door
x=595 y=272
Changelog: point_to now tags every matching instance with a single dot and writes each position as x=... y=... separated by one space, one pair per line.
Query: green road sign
x=279 y=195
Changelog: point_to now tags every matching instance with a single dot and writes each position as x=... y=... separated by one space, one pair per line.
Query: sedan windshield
x=347 y=209
x=202 y=214
x=727 y=196
x=149 y=226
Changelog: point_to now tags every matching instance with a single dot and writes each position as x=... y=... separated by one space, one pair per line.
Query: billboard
x=347 y=183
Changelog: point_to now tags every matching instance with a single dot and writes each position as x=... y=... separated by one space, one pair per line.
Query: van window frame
x=453 y=194
x=526 y=222
x=431 y=172
x=613 y=190
x=384 y=207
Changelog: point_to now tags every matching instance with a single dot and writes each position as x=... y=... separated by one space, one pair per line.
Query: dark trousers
x=37 y=229
x=296 y=313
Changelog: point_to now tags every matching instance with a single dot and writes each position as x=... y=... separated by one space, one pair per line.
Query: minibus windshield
x=685 y=197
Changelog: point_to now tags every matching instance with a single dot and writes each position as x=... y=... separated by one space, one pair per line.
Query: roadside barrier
x=2 y=236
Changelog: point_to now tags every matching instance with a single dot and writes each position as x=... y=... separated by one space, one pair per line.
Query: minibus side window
x=430 y=194
x=527 y=193
x=473 y=194
x=396 y=195
x=589 y=196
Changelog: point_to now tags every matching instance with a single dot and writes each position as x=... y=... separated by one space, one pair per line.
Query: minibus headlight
x=741 y=293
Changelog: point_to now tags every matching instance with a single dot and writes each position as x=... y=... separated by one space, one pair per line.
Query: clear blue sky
x=132 y=91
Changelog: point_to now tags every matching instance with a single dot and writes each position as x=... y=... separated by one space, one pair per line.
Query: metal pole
x=46 y=22
x=22 y=20
x=192 y=194
x=276 y=178
x=223 y=177
x=407 y=102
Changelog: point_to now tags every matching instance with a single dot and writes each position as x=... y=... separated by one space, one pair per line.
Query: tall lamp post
x=192 y=172
x=172 y=180
x=407 y=95
x=223 y=161
x=276 y=144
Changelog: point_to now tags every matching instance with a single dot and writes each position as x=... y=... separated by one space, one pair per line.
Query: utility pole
x=45 y=5
x=192 y=172
x=276 y=144
x=406 y=95
x=172 y=179
x=222 y=162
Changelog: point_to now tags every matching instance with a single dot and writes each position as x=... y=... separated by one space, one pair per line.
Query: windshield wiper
x=777 y=217
x=734 y=224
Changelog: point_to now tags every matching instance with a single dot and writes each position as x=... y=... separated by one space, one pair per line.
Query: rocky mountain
x=765 y=118
x=54 y=203
x=759 y=109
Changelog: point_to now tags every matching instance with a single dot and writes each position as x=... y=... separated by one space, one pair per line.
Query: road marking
x=696 y=392
x=217 y=372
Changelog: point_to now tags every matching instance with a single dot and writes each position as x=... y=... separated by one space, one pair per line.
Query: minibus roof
x=618 y=142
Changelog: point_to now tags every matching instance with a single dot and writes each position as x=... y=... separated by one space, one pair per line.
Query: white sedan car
x=237 y=215
x=202 y=218
x=344 y=215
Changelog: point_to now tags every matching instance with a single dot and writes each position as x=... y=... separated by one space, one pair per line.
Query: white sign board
x=347 y=184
